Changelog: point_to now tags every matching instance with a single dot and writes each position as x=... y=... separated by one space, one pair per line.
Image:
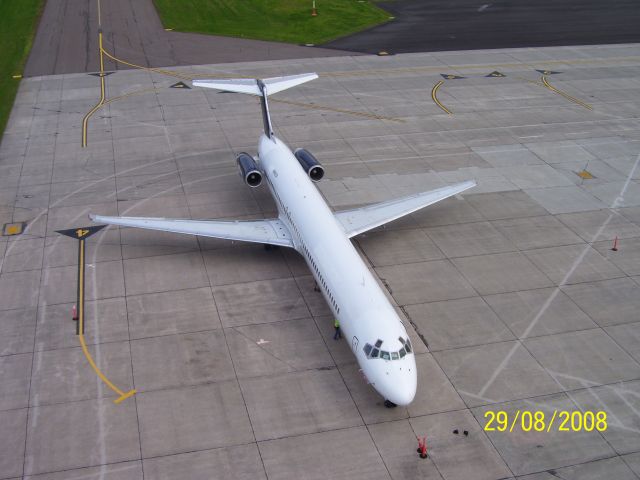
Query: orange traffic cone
x=423 y=450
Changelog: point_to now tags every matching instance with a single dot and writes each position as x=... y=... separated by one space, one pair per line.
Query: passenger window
x=394 y=356
x=402 y=353
x=367 y=349
x=385 y=355
x=374 y=353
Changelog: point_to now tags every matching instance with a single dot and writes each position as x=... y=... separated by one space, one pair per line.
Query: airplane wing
x=273 y=231
x=360 y=220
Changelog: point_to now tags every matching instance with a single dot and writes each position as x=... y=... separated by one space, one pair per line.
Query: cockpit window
x=401 y=340
x=375 y=352
x=408 y=346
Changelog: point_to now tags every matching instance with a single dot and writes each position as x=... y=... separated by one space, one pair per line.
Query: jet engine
x=249 y=170
x=310 y=164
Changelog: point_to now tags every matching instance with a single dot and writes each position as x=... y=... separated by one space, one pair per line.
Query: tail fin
x=267 y=86
x=260 y=87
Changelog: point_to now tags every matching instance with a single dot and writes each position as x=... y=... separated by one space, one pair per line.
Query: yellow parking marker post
x=81 y=234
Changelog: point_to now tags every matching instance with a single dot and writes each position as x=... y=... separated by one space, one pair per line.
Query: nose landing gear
x=389 y=404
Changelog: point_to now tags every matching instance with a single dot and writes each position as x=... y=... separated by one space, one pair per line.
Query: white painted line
x=556 y=290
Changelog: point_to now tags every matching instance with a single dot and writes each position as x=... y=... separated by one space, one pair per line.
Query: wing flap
x=273 y=231
x=360 y=220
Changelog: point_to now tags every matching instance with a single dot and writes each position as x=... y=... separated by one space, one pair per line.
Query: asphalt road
x=67 y=40
x=436 y=25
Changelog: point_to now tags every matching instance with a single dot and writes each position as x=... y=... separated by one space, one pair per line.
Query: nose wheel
x=389 y=404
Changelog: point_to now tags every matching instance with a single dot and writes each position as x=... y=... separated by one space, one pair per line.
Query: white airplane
x=305 y=223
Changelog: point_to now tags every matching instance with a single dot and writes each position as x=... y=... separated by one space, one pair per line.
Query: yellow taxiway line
x=181 y=76
x=434 y=97
x=85 y=120
x=546 y=83
x=150 y=69
x=130 y=94
x=338 y=110
x=123 y=395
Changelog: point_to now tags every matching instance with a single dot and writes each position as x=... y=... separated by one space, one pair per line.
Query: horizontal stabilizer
x=252 y=87
x=277 y=84
x=240 y=85
x=272 y=232
x=360 y=220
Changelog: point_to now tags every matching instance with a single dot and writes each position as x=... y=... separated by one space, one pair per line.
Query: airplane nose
x=403 y=394
x=403 y=390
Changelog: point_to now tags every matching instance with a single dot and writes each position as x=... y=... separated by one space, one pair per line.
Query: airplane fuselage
x=366 y=317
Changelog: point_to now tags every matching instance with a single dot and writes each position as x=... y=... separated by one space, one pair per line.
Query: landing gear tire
x=389 y=404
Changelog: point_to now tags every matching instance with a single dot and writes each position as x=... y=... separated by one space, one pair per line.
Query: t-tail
x=259 y=87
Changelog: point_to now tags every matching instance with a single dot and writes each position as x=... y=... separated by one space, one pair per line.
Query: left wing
x=360 y=220
x=273 y=232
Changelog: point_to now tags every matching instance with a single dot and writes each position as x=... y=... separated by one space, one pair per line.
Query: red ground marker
x=422 y=447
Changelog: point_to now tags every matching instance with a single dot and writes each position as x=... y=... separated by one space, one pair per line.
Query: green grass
x=18 y=21
x=279 y=20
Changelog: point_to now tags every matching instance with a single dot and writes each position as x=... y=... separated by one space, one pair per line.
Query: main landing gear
x=389 y=404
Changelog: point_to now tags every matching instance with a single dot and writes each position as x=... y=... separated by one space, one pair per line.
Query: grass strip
x=18 y=22
x=276 y=20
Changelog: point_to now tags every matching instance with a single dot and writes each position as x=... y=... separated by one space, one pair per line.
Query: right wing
x=360 y=220
x=273 y=232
